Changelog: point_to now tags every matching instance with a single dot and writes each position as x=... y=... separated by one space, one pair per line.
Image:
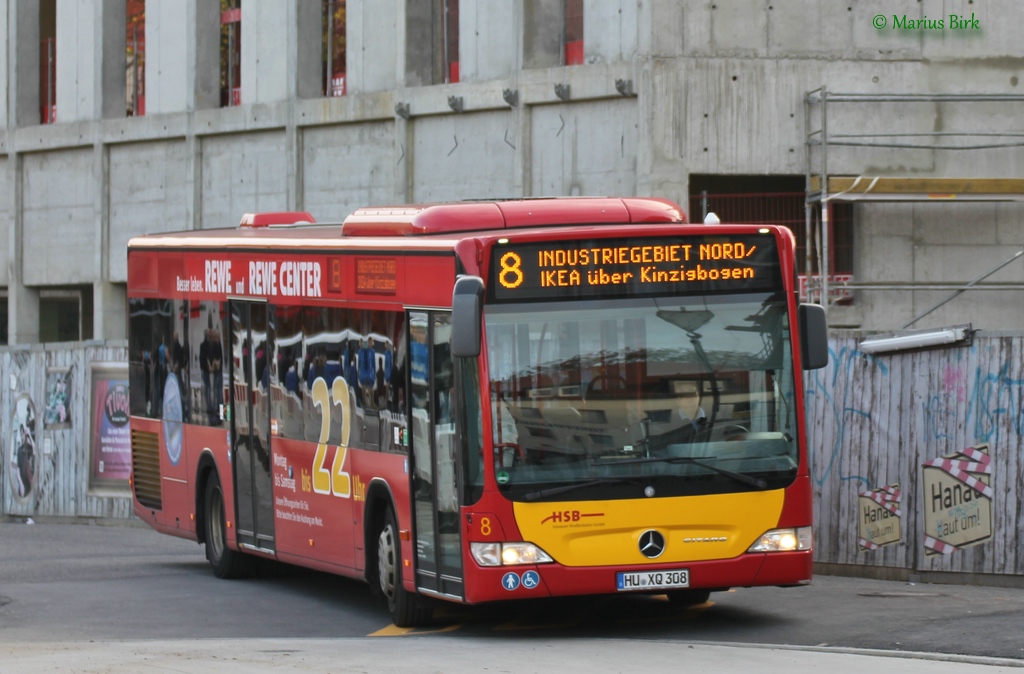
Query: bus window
x=152 y=330
x=469 y=425
x=286 y=399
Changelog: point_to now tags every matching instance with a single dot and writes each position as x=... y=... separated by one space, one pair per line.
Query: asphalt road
x=70 y=593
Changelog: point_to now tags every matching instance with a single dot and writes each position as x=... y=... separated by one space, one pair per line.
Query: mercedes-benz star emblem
x=652 y=544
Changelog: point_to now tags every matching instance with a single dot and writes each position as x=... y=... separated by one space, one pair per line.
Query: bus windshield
x=663 y=396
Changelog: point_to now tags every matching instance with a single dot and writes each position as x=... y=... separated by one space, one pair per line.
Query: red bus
x=479 y=401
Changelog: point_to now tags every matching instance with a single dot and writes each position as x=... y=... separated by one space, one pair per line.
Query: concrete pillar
x=76 y=66
x=304 y=49
x=610 y=30
x=110 y=307
x=375 y=44
x=488 y=40
x=22 y=110
x=265 y=29
x=23 y=53
x=404 y=148
x=182 y=55
x=91 y=60
x=109 y=300
x=5 y=75
x=112 y=60
x=420 y=59
x=22 y=301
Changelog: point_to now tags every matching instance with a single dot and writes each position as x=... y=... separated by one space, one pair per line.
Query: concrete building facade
x=666 y=90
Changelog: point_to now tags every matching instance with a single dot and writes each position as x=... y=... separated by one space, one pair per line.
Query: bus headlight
x=508 y=554
x=784 y=540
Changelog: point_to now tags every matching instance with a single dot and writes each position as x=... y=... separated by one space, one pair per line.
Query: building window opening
x=230 y=53
x=573 y=32
x=779 y=200
x=48 y=61
x=65 y=314
x=451 y=39
x=3 y=318
x=135 y=39
x=334 y=66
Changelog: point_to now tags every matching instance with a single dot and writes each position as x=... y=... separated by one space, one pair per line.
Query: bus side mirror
x=813 y=336
x=467 y=315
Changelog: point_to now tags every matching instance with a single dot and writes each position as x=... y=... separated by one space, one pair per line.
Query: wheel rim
x=386 y=562
x=216 y=523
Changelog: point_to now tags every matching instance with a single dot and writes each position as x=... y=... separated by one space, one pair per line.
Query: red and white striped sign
x=961 y=469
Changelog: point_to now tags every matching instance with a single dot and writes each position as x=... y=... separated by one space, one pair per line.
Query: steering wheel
x=620 y=382
x=735 y=432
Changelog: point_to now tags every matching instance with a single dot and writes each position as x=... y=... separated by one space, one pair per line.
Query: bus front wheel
x=406 y=609
x=226 y=563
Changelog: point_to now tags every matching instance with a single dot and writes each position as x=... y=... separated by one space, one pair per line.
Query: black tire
x=407 y=610
x=226 y=563
x=688 y=597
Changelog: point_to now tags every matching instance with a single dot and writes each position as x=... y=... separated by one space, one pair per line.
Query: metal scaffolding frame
x=823 y=188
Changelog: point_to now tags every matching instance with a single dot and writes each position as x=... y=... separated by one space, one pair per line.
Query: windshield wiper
x=534 y=495
x=742 y=478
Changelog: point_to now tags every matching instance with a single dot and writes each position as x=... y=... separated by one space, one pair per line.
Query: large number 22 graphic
x=334 y=481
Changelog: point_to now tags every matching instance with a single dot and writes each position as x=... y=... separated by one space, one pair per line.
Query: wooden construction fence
x=873 y=421
x=46 y=425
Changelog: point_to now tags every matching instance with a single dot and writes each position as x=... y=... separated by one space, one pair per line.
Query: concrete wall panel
x=587 y=149
x=1009 y=221
x=890 y=227
x=345 y=167
x=995 y=34
x=60 y=217
x=738 y=28
x=463 y=157
x=741 y=115
x=149 y=188
x=242 y=174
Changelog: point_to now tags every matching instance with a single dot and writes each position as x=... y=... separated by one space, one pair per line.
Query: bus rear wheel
x=226 y=563
x=407 y=610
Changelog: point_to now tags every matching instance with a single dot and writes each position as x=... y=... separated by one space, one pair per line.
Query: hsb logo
x=567 y=516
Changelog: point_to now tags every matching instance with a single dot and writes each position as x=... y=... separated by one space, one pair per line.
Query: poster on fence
x=23 y=461
x=957 y=500
x=879 y=518
x=111 y=450
x=58 y=398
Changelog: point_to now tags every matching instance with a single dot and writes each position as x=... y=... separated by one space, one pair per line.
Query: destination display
x=636 y=266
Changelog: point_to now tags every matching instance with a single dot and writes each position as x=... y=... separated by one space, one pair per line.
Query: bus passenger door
x=435 y=450
x=251 y=348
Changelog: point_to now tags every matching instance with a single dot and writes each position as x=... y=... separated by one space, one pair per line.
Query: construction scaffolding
x=824 y=188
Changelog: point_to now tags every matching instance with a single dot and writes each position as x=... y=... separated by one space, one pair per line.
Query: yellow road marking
x=392 y=631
